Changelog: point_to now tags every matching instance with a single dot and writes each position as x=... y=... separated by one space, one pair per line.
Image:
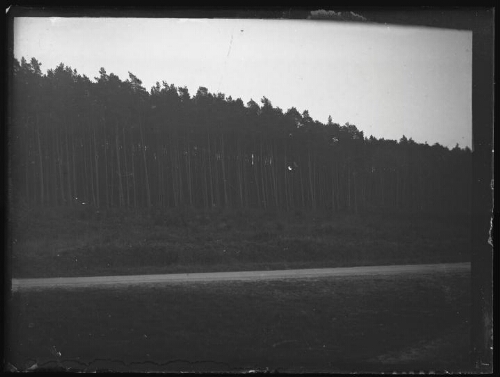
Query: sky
x=387 y=80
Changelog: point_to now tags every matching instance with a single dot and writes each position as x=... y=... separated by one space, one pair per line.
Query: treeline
x=111 y=143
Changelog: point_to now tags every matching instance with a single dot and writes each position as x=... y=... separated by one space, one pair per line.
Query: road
x=129 y=280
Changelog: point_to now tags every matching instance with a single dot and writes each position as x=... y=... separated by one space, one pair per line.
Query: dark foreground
x=336 y=324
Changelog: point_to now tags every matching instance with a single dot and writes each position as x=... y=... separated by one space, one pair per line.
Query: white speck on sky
x=387 y=80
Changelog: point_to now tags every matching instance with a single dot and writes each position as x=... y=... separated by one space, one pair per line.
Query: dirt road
x=101 y=281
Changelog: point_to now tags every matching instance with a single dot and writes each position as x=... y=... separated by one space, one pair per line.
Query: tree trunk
x=85 y=178
x=240 y=169
x=40 y=159
x=96 y=159
x=173 y=175
x=188 y=172
x=74 y=169
x=106 y=167
x=205 y=184
x=224 y=172
x=262 y=164
x=121 y=198
x=91 y=175
x=210 y=175
x=68 y=168
x=133 y=175
x=126 y=167
x=143 y=147
x=311 y=184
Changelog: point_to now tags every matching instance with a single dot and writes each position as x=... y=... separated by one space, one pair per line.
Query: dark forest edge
x=106 y=177
x=110 y=143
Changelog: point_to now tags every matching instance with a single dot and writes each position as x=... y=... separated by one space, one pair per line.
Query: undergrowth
x=89 y=241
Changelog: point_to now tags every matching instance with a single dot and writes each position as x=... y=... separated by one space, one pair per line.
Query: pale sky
x=387 y=80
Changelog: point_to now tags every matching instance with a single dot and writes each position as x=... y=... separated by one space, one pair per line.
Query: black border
x=478 y=19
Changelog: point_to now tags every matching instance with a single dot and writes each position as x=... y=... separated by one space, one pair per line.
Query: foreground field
x=54 y=242
x=377 y=323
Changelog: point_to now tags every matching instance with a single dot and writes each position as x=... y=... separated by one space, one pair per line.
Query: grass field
x=379 y=323
x=53 y=242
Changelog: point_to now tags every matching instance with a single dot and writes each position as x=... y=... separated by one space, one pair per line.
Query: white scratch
x=225 y=61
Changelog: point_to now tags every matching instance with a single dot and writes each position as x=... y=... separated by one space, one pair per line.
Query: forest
x=111 y=143
x=108 y=178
